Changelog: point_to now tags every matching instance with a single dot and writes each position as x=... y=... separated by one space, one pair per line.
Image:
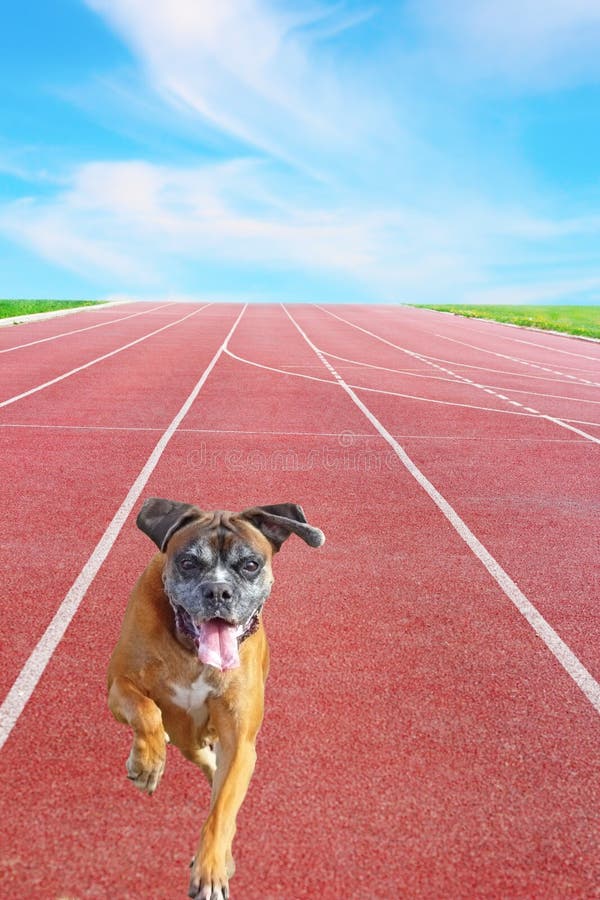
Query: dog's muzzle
x=215 y=640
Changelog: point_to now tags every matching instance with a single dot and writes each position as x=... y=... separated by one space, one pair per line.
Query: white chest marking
x=192 y=698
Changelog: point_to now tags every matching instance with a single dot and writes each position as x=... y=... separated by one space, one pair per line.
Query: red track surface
x=420 y=739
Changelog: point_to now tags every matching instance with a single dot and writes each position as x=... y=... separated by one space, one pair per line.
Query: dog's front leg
x=146 y=762
x=236 y=758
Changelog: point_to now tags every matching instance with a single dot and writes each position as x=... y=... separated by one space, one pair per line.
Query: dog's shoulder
x=147 y=625
x=148 y=606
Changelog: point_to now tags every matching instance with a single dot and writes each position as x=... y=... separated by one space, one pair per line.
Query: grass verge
x=10 y=308
x=580 y=320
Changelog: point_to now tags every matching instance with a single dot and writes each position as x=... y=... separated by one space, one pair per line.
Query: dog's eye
x=250 y=565
x=188 y=563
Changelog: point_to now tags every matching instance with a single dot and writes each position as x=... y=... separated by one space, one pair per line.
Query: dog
x=192 y=659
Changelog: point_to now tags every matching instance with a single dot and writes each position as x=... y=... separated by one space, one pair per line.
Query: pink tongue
x=217 y=645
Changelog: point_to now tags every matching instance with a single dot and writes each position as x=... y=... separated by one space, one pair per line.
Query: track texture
x=420 y=738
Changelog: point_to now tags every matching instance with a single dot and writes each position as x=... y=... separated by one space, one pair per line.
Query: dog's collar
x=184 y=625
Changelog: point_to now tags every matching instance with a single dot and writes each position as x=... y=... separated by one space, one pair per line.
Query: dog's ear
x=160 y=519
x=277 y=522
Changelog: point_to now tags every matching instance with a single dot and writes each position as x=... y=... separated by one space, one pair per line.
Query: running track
x=433 y=709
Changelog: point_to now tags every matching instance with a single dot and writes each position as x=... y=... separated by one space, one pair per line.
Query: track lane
x=68 y=492
x=577 y=376
x=533 y=503
x=12 y=333
x=472 y=342
x=555 y=392
x=133 y=389
x=51 y=327
x=575 y=354
x=30 y=341
x=545 y=349
x=449 y=771
x=543 y=406
x=39 y=385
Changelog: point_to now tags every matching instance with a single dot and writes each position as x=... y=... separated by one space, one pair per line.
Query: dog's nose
x=216 y=591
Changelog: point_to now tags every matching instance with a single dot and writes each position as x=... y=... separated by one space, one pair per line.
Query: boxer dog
x=192 y=658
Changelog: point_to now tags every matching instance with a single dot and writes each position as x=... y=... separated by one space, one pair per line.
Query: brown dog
x=192 y=659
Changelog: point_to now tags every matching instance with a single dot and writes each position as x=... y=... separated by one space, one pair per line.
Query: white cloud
x=246 y=66
x=340 y=181
x=133 y=218
x=48 y=229
x=138 y=222
x=138 y=226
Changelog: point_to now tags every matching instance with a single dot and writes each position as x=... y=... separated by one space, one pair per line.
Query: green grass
x=581 y=320
x=10 y=308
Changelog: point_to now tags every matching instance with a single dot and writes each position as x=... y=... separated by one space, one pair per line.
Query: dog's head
x=218 y=564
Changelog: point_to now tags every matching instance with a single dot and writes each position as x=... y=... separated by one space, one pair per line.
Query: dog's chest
x=192 y=698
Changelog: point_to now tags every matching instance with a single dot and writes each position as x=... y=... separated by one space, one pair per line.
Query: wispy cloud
x=249 y=68
x=316 y=140
x=50 y=229
x=138 y=224
x=135 y=220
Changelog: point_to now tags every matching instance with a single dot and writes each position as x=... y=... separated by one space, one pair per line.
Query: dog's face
x=218 y=568
x=218 y=564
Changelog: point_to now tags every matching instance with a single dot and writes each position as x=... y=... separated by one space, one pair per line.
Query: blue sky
x=416 y=151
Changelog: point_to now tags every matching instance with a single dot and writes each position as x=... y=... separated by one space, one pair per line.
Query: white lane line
x=528 y=411
x=59 y=426
x=249 y=362
x=360 y=387
x=520 y=375
x=92 y=362
x=560 y=422
x=522 y=362
x=53 y=337
x=414 y=374
x=581 y=422
x=335 y=434
x=511 y=390
x=32 y=671
x=564 y=424
x=595 y=359
x=562 y=652
x=491 y=409
x=135 y=428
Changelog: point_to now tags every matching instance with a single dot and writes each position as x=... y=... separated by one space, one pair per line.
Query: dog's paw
x=212 y=887
x=210 y=892
x=145 y=769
